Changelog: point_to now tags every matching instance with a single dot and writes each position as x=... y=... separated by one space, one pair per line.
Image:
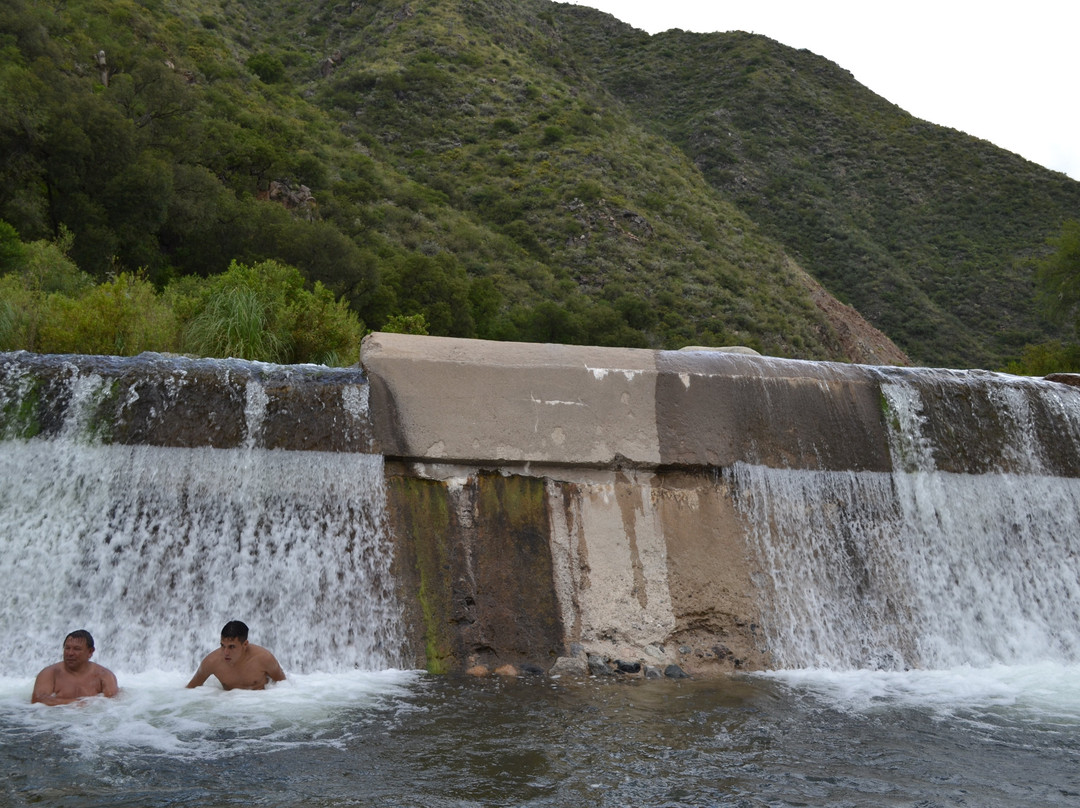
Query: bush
x=268 y=68
x=235 y=323
x=121 y=317
x=264 y=312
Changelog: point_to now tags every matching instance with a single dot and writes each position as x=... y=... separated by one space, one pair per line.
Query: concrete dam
x=459 y=504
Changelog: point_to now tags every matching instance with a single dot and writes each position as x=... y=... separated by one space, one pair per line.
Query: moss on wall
x=420 y=513
x=474 y=563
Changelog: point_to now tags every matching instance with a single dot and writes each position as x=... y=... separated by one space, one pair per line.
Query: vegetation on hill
x=507 y=170
x=928 y=232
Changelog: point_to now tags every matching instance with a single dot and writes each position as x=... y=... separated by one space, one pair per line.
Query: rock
x=1072 y=379
x=570 y=666
x=675 y=672
x=477 y=670
x=652 y=672
x=506 y=670
x=529 y=669
x=622 y=666
x=598 y=666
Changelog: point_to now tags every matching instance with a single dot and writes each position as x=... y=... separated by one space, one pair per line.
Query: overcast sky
x=1007 y=73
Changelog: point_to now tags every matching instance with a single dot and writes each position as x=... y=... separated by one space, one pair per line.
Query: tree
x=1058 y=276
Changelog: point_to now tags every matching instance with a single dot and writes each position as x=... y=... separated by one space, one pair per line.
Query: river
x=1002 y=736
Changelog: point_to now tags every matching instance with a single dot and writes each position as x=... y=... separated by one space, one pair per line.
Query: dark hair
x=234 y=629
x=81 y=634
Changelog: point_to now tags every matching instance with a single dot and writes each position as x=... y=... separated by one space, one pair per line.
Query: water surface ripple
x=987 y=738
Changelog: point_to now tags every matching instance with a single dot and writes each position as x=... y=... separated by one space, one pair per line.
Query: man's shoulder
x=51 y=669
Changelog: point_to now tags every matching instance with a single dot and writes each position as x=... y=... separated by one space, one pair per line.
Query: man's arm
x=109 y=687
x=45 y=689
x=201 y=675
x=273 y=669
x=44 y=686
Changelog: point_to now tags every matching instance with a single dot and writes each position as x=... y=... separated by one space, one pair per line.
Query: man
x=76 y=677
x=237 y=663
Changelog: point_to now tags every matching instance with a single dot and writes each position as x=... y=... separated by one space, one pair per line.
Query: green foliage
x=122 y=317
x=529 y=171
x=1058 y=276
x=267 y=67
x=264 y=312
x=19 y=314
x=406 y=324
x=12 y=253
x=1047 y=358
x=234 y=322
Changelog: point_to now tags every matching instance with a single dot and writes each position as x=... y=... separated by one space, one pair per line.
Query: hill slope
x=926 y=231
x=520 y=170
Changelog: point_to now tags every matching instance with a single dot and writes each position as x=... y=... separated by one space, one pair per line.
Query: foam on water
x=1044 y=695
x=154 y=714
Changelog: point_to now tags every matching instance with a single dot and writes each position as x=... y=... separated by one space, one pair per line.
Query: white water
x=920 y=568
x=154 y=549
x=155 y=715
x=1045 y=693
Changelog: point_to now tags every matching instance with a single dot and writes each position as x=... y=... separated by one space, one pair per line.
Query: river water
x=1006 y=736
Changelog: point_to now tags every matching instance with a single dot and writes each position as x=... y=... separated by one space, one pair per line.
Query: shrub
x=122 y=317
x=234 y=323
x=268 y=68
x=264 y=312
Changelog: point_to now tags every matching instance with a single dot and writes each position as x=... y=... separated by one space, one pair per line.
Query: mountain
x=926 y=231
x=521 y=170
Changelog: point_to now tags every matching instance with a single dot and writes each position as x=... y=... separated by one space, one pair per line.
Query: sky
x=1008 y=73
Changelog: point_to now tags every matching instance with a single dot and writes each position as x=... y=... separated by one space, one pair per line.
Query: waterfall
x=154 y=547
x=967 y=553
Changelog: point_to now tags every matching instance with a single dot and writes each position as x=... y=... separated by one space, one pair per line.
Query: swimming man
x=76 y=677
x=237 y=663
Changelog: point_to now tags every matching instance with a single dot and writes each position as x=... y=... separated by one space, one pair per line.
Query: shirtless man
x=76 y=677
x=237 y=663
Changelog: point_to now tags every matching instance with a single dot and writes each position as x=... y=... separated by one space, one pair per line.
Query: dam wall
x=467 y=505
x=551 y=499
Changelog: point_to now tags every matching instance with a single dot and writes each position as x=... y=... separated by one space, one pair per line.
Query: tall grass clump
x=234 y=323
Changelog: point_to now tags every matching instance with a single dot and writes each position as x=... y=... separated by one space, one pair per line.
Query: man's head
x=81 y=634
x=78 y=648
x=235 y=630
x=234 y=641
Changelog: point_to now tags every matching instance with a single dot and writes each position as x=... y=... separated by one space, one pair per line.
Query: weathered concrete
x=648 y=557
x=471 y=401
x=166 y=400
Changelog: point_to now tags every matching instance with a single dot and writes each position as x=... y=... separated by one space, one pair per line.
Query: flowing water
x=927 y=622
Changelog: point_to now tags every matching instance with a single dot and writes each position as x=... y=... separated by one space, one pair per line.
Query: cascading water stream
x=968 y=553
x=153 y=548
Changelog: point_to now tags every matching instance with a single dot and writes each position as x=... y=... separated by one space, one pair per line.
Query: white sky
x=1007 y=73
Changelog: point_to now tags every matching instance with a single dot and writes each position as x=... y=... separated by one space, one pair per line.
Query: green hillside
x=514 y=170
x=926 y=231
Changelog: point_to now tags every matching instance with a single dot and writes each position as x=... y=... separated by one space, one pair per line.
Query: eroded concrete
x=648 y=559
